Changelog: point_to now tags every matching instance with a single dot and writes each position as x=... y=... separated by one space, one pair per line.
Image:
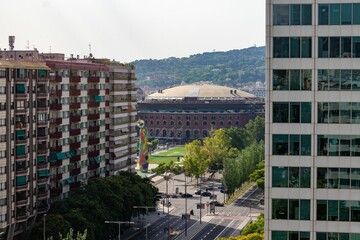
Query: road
x=224 y=223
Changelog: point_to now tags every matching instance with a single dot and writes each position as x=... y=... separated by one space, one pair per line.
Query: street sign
x=200 y=206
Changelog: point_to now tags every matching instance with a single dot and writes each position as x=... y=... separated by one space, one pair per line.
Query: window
x=293 y=14
x=293 y=112
x=291 y=144
x=293 y=209
x=294 y=47
x=334 y=210
x=292 y=80
x=291 y=177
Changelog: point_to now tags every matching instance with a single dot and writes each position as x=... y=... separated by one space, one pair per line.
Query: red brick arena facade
x=189 y=112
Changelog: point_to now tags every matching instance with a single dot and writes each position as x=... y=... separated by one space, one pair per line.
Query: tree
x=70 y=235
x=232 y=174
x=196 y=160
x=256 y=129
x=217 y=147
x=258 y=175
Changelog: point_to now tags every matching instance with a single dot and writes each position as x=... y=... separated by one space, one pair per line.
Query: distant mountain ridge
x=233 y=68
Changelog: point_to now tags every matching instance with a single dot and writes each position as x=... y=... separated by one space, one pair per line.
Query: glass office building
x=312 y=120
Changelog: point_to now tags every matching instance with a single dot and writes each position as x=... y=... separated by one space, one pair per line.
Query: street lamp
x=119 y=222
x=44 y=226
x=147 y=225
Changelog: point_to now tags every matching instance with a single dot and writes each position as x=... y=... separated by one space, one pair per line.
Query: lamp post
x=44 y=226
x=119 y=222
x=147 y=225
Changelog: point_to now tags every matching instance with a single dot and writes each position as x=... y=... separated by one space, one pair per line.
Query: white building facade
x=312 y=188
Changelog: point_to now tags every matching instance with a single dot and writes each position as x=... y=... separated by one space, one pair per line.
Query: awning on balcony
x=97 y=159
x=57 y=156
x=43 y=173
x=41 y=186
x=20 y=150
x=20 y=133
x=68 y=180
x=20 y=87
x=41 y=159
x=98 y=98
x=21 y=180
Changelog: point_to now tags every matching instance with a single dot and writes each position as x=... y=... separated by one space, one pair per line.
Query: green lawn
x=167 y=156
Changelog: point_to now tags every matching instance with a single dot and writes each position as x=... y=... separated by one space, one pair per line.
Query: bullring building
x=189 y=112
x=312 y=188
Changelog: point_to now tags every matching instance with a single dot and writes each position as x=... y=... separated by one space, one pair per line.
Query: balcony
x=75 y=118
x=93 y=92
x=56 y=121
x=93 y=166
x=93 y=79
x=42 y=151
x=21 y=203
x=75 y=105
x=75 y=92
x=93 y=141
x=42 y=193
x=42 y=166
x=56 y=135
x=93 y=153
x=22 y=187
x=42 y=180
x=75 y=79
x=92 y=129
x=43 y=209
x=75 y=159
x=56 y=106
x=93 y=104
x=75 y=171
x=42 y=124
x=75 y=145
x=21 y=111
x=21 y=216
x=74 y=132
x=57 y=93
x=75 y=185
x=42 y=95
x=21 y=171
x=56 y=149
x=56 y=177
x=57 y=79
x=93 y=116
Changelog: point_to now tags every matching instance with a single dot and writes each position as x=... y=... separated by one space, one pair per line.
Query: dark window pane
x=281 y=14
x=279 y=177
x=356 y=47
x=295 y=113
x=306 y=12
x=321 y=178
x=334 y=14
x=344 y=178
x=333 y=146
x=281 y=47
x=355 y=181
x=305 y=176
x=333 y=210
x=346 y=13
x=305 y=112
x=294 y=145
x=295 y=14
x=304 y=209
x=355 y=79
x=321 y=210
x=306 y=80
x=280 y=80
x=344 y=210
x=355 y=211
x=294 y=79
x=294 y=47
x=322 y=145
x=346 y=47
x=279 y=235
x=306 y=47
x=321 y=236
x=323 y=14
x=280 y=144
x=345 y=146
x=294 y=181
x=294 y=209
x=334 y=79
x=356 y=15
x=281 y=112
x=305 y=145
x=279 y=209
x=345 y=79
x=333 y=177
x=324 y=47
x=334 y=47
x=323 y=82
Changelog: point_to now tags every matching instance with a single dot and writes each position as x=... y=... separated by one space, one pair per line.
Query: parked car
x=220 y=187
x=174 y=196
x=209 y=188
x=187 y=195
x=217 y=203
x=206 y=194
x=198 y=192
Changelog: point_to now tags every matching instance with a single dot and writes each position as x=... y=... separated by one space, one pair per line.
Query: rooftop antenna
x=11 y=42
x=50 y=49
x=89 y=48
x=27 y=46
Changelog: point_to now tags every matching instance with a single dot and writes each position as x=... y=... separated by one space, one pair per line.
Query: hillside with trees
x=233 y=68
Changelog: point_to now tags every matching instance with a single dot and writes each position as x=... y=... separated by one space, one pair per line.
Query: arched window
x=172 y=123
x=157 y=132
x=229 y=123
x=172 y=133
x=164 y=122
x=164 y=133
x=187 y=123
x=205 y=133
x=179 y=123
x=221 y=123
x=188 y=133
x=204 y=123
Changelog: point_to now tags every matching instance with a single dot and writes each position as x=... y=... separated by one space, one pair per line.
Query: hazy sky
x=128 y=30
